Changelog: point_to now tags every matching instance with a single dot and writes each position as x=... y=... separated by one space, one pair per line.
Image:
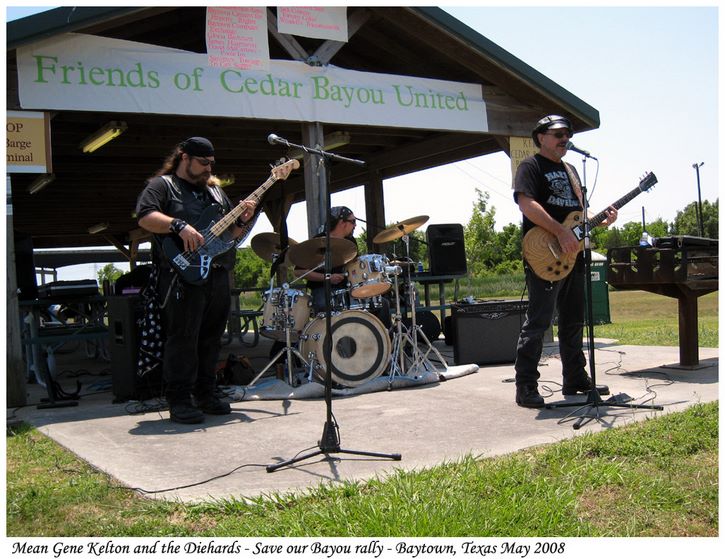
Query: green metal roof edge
x=507 y=60
x=59 y=20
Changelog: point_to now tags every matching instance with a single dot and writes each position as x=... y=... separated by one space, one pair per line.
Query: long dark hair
x=171 y=163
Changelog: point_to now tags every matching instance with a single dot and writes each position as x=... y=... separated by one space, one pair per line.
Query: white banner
x=320 y=23
x=90 y=73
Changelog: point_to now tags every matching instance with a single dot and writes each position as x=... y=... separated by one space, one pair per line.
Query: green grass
x=642 y=318
x=654 y=478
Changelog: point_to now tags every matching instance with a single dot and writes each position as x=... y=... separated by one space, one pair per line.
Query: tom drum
x=285 y=307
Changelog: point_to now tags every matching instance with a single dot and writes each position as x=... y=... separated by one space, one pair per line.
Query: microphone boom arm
x=274 y=139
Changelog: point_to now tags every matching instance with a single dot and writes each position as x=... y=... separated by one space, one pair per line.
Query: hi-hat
x=402 y=263
x=399 y=229
x=311 y=254
x=267 y=245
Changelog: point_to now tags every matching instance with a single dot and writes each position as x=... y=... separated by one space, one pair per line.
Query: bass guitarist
x=193 y=315
x=547 y=190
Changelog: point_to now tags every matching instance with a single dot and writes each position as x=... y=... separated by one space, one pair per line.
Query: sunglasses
x=204 y=162
x=559 y=134
x=353 y=221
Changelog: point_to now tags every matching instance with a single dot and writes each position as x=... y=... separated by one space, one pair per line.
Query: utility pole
x=699 y=199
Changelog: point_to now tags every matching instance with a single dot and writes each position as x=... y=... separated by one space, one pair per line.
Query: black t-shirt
x=548 y=183
x=181 y=199
x=337 y=270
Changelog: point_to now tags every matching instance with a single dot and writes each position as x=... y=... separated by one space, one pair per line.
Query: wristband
x=177 y=225
x=239 y=223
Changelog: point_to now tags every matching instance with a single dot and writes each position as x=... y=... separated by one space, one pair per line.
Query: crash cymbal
x=310 y=254
x=399 y=229
x=266 y=245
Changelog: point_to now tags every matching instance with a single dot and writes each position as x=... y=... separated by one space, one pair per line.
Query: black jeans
x=567 y=297
x=195 y=317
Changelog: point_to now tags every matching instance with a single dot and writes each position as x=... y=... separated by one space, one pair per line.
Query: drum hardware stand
x=288 y=350
x=402 y=337
x=330 y=440
x=594 y=399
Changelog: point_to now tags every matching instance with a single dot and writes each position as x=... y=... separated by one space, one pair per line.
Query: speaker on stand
x=447 y=250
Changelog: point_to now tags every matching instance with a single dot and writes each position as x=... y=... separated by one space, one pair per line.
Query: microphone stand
x=330 y=440
x=594 y=399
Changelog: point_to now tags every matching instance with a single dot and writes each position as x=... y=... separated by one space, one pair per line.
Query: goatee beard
x=199 y=180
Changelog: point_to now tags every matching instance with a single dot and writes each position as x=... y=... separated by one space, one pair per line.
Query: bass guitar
x=542 y=251
x=214 y=225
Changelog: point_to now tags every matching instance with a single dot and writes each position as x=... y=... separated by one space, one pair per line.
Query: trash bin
x=600 y=289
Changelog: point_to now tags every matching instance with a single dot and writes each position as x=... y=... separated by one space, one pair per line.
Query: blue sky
x=651 y=72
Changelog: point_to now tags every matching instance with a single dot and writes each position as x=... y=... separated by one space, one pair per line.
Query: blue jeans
x=567 y=298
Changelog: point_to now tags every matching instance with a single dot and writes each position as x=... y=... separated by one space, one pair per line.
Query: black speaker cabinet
x=123 y=316
x=447 y=250
x=25 y=266
x=486 y=333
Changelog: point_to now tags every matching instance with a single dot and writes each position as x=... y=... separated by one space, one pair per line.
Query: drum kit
x=362 y=347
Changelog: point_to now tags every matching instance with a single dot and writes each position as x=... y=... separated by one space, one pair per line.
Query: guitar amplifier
x=486 y=332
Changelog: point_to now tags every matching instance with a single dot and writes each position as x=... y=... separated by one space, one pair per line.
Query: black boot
x=212 y=405
x=185 y=412
x=527 y=396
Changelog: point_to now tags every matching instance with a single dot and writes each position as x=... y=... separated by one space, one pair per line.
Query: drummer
x=342 y=226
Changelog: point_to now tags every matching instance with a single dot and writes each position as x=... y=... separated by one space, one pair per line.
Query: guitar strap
x=216 y=194
x=575 y=184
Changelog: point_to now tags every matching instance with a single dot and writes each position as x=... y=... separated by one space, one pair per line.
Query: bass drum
x=360 y=347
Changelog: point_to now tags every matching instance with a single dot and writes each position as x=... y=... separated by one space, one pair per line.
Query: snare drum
x=360 y=347
x=276 y=316
x=367 y=277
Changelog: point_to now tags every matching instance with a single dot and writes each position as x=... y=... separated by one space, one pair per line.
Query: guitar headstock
x=647 y=182
x=281 y=172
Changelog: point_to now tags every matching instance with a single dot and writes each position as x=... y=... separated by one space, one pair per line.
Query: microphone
x=274 y=139
x=580 y=151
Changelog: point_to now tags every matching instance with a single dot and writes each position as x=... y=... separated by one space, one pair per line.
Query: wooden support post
x=15 y=377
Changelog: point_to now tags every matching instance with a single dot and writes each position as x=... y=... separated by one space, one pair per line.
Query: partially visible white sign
x=237 y=38
x=319 y=23
x=92 y=73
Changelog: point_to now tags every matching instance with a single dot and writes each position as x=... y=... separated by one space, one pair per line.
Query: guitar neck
x=228 y=220
x=601 y=216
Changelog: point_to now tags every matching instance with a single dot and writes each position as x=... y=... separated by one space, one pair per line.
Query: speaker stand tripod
x=330 y=441
x=591 y=408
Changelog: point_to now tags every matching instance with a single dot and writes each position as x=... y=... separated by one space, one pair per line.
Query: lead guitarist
x=547 y=190
x=193 y=316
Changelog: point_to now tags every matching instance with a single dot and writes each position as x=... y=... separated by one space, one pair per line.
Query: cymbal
x=266 y=245
x=399 y=229
x=402 y=263
x=310 y=254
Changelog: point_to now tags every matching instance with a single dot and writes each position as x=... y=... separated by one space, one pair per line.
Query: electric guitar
x=542 y=251
x=214 y=225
